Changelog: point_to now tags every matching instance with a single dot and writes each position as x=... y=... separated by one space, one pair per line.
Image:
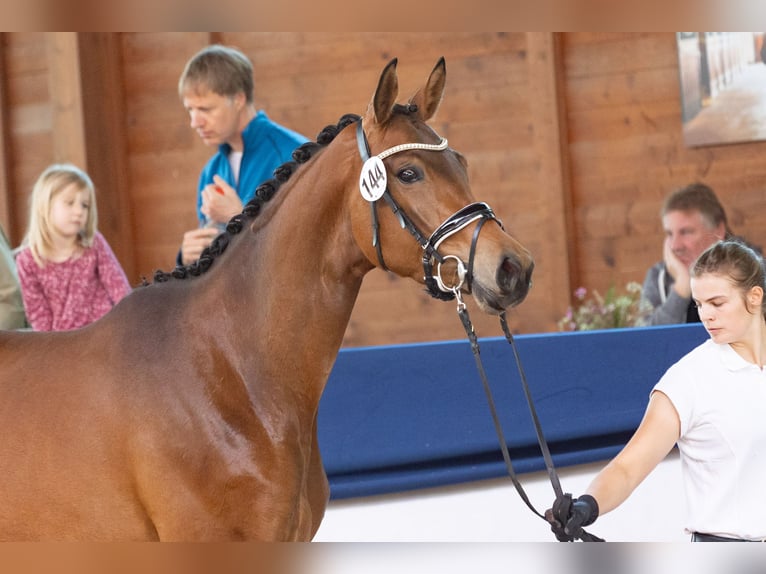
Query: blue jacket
x=267 y=145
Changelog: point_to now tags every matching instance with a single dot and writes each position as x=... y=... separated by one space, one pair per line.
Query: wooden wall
x=627 y=152
x=573 y=138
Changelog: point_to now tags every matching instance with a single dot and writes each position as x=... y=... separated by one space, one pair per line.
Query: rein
x=374 y=186
x=552 y=474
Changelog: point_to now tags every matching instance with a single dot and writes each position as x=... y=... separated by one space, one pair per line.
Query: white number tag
x=373 y=180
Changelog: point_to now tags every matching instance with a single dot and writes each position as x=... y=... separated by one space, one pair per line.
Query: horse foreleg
x=317 y=486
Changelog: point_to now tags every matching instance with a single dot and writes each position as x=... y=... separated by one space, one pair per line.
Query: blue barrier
x=395 y=418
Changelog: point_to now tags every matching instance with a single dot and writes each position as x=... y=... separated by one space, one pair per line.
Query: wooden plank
x=139 y=48
x=548 y=110
x=467 y=101
x=417 y=53
x=629 y=120
x=28 y=121
x=620 y=54
x=600 y=92
x=66 y=98
x=144 y=139
x=6 y=199
x=27 y=89
x=27 y=53
x=104 y=135
x=30 y=118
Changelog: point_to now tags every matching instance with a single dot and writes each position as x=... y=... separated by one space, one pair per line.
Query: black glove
x=568 y=516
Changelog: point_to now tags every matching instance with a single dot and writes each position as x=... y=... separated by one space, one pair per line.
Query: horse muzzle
x=512 y=281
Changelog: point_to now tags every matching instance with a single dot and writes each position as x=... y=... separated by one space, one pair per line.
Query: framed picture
x=723 y=87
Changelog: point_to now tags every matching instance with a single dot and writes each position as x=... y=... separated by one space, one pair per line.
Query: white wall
x=492 y=511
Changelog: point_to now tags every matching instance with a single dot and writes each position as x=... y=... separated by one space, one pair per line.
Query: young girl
x=68 y=273
x=712 y=403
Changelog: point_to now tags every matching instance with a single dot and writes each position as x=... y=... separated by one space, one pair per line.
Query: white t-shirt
x=721 y=402
x=235 y=161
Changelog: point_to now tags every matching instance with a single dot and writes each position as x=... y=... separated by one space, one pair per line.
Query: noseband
x=374 y=175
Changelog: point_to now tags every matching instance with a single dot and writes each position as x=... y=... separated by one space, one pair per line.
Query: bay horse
x=189 y=411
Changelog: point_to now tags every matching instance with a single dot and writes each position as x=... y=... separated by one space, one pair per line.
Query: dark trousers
x=700 y=537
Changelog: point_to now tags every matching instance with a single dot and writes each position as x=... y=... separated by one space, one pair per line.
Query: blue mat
x=396 y=418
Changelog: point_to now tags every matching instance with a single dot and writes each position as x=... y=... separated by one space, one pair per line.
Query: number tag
x=373 y=180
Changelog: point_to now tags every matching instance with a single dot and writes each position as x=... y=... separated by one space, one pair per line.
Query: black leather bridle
x=478 y=211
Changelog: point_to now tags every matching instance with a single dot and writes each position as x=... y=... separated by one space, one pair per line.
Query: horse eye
x=409 y=175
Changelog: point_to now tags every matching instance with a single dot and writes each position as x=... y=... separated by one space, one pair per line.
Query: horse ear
x=385 y=95
x=429 y=97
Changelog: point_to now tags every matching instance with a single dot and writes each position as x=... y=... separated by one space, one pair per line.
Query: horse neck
x=300 y=271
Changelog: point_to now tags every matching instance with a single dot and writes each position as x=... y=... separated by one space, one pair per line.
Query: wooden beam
x=88 y=126
x=548 y=109
x=105 y=141
x=64 y=85
x=6 y=207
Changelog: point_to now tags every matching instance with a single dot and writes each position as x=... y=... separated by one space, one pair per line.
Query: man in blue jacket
x=216 y=88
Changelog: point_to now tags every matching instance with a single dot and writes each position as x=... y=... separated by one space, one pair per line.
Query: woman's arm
x=653 y=440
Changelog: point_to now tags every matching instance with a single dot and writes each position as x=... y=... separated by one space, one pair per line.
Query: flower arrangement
x=609 y=311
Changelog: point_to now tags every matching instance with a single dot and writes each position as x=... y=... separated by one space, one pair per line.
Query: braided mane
x=263 y=193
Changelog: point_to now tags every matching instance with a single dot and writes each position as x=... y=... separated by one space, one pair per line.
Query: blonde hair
x=51 y=182
x=221 y=69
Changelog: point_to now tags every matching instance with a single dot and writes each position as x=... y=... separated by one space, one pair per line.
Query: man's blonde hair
x=221 y=69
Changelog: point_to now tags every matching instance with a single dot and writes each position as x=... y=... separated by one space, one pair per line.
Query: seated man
x=693 y=219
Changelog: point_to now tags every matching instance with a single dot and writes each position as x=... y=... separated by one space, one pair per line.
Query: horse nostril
x=511 y=272
x=510 y=267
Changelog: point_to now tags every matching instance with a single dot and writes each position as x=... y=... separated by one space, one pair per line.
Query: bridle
x=373 y=172
x=373 y=187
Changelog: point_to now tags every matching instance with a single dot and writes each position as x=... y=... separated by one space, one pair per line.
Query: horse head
x=412 y=185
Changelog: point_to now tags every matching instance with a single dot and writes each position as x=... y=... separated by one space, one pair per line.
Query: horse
x=189 y=411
